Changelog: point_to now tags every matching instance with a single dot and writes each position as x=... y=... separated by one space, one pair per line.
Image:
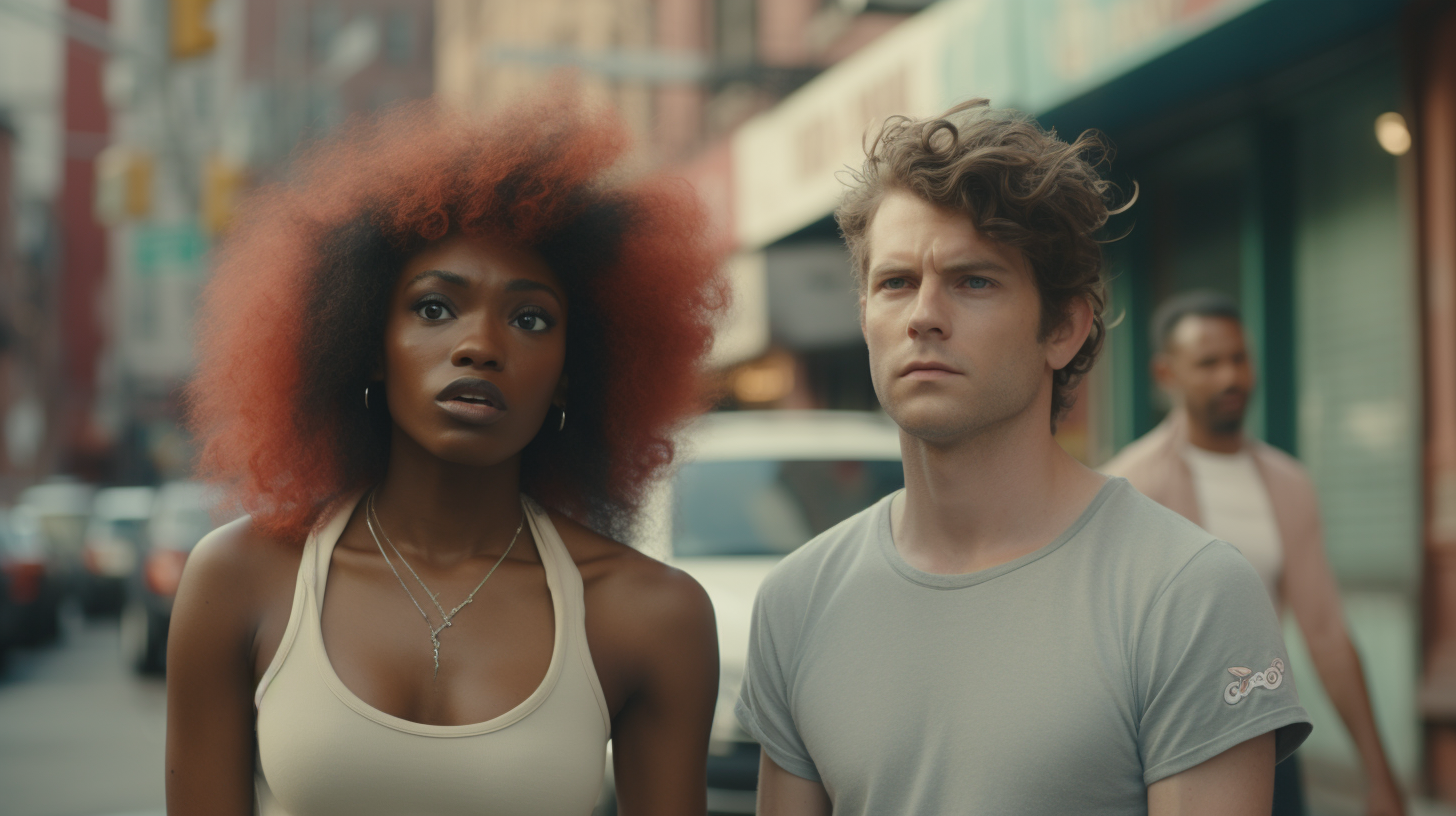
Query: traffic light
x=191 y=33
x=123 y=185
x=222 y=183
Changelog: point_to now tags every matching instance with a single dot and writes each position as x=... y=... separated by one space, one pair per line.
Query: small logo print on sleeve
x=1249 y=680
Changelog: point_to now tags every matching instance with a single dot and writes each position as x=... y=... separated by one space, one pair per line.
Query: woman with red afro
x=438 y=369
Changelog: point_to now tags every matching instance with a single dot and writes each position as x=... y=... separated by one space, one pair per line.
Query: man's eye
x=895 y=283
x=977 y=283
x=532 y=322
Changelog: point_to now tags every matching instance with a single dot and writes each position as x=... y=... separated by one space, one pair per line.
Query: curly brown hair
x=1020 y=185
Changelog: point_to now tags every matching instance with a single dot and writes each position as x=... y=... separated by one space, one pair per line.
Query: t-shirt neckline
x=966 y=579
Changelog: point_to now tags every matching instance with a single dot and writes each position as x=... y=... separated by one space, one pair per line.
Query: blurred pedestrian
x=1200 y=463
x=1012 y=632
x=438 y=368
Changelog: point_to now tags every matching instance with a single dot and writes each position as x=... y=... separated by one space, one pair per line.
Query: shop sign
x=788 y=162
x=743 y=331
x=813 y=301
x=1072 y=46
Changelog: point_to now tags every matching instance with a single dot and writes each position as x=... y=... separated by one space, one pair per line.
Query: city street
x=79 y=734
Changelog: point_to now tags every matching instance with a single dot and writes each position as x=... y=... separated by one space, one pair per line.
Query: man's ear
x=1163 y=372
x=1067 y=339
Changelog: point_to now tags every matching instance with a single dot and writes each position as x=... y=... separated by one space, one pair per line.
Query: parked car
x=752 y=487
x=62 y=508
x=7 y=621
x=113 y=543
x=33 y=594
x=181 y=516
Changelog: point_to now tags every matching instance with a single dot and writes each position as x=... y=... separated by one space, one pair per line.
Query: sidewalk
x=1331 y=791
x=1329 y=803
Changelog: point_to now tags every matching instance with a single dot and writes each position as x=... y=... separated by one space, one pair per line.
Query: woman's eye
x=532 y=322
x=433 y=310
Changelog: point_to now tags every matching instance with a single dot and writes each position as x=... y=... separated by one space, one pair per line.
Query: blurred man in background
x=1199 y=463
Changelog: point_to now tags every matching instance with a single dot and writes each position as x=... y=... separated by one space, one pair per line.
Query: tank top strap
x=564 y=578
x=313 y=570
x=553 y=550
x=324 y=537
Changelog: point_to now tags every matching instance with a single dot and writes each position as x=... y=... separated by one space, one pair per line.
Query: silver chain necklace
x=371 y=518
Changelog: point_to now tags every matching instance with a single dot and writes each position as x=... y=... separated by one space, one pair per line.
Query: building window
x=733 y=34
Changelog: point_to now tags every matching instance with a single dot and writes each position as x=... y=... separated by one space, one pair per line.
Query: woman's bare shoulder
x=241 y=545
x=623 y=579
x=240 y=566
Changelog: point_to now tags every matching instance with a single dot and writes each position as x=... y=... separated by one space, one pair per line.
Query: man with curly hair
x=1013 y=632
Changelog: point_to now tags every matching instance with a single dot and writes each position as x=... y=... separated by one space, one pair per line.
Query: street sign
x=169 y=249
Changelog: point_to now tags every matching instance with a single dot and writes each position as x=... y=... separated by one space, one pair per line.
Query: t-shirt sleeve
x=1211 y=667
x=763 y=701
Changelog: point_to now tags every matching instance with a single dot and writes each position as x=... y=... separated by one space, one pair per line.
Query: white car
x=114 y=540
x=62 y=507
x=752 y=486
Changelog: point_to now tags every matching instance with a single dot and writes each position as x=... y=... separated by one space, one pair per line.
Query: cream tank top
x=322 y=751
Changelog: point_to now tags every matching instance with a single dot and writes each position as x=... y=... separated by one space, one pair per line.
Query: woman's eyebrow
x=528 y=285
x=448 y=277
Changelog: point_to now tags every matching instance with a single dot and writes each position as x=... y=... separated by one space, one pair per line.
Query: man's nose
x=930 y=314
x=1233 y=373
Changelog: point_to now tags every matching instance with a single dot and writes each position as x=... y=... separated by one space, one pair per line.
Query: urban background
x=1297 y=155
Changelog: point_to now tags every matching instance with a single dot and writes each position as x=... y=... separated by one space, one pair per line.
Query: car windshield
x=132 y=530
x=182 y=528
x=770 y=507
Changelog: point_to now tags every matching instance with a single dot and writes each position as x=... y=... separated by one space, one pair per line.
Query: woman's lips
x=472 y=400
x=471 y=413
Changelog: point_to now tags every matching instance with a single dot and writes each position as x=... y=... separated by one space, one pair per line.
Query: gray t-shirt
x=1066 y=681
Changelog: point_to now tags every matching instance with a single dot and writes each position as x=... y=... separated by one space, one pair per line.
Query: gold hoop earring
x=366 y=397
x=562 y=425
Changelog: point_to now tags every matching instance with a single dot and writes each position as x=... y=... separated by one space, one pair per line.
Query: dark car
x=181 y=516
x=33 y=594
x=7 y=620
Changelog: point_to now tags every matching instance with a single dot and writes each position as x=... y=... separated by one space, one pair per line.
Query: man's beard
x=1223 y=423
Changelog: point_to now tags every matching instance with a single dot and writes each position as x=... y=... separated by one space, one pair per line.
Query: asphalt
x=79 y=734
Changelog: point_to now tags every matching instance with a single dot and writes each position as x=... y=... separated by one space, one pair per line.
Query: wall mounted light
x=1392 y=133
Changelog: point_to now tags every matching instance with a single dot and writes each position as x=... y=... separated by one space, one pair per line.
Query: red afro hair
x=292 y=323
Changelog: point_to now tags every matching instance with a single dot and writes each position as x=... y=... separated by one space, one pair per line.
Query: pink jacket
x=1155 y=466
